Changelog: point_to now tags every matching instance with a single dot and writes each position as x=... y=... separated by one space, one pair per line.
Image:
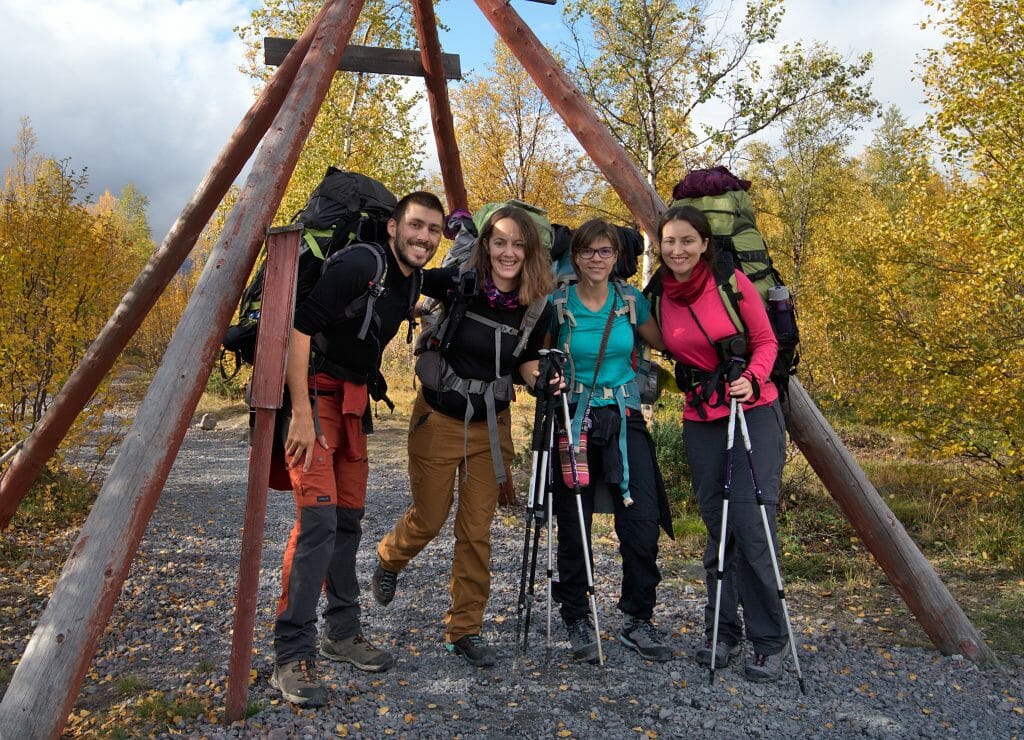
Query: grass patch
x=1002 y=618
x=159 y=710
x=57 y=499
x=130 y=685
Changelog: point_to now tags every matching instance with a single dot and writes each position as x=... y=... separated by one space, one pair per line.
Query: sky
x=148 y=91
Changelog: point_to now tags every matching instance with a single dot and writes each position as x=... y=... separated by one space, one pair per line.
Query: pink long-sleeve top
x=688 y=345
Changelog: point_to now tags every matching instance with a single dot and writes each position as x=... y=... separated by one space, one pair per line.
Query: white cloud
x=141 y=91
x=889 y=29
x=148 y=91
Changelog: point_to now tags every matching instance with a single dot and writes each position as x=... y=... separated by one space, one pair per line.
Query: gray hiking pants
x=749 y=579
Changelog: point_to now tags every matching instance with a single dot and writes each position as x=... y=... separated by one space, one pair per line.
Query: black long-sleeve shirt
x=471 y=355
x=346 y=280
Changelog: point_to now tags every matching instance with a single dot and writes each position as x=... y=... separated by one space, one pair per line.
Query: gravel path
x=171 y=630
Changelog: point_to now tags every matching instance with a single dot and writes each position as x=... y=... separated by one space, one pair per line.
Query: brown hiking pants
x=442 y=448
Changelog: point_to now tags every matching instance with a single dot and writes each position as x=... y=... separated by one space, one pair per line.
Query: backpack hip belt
x=491 y=390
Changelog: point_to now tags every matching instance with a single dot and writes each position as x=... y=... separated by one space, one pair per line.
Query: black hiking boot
x=474 y=650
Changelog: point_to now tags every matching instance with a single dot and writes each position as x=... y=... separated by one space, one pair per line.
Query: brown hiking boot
x=297 y=683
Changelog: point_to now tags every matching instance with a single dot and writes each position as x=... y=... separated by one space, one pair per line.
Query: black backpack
x=346 y=210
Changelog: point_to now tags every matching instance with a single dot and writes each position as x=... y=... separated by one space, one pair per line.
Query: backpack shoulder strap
x=526 y=326
x=724 y=271
x=560 y=301
x=628 y=298
x=375 y=288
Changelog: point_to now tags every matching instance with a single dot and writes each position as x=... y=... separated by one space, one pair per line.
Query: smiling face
x=681 y=248
x=507 y=251
x=594 y=263
x=415 y=238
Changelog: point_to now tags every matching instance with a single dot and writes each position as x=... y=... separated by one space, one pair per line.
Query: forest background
x=905 y=257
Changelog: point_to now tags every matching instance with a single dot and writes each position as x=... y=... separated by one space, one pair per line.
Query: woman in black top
x=460 y=425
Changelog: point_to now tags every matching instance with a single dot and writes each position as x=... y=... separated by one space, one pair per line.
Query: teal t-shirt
x=584 y=341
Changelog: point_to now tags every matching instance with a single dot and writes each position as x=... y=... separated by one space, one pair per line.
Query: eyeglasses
x=588 y=253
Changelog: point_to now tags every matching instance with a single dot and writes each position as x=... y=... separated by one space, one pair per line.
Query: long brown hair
x=535 y=279
x=696 y=218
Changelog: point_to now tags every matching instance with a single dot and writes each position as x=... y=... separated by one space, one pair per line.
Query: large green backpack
x=723 y=198
x=731 y=216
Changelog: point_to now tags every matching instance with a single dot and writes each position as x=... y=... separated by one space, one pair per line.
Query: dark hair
x=420 y=198
x=696 y=218
x=588 y=233
x=535 y=279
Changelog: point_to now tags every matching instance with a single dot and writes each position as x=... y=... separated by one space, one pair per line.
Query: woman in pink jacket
x=703 y=340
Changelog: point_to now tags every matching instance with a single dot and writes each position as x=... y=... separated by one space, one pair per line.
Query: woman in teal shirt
x=596 y=322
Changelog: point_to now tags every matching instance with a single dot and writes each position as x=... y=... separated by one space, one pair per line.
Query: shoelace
x=476 y=640
x=647 y=630
x=388 y=581
x=306 y=670
x=580 y=630
x=760 y=660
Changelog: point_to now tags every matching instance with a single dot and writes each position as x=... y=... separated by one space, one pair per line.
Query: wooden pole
x=440 y=107
x=911 y=574
x=44 y=686
x=567 y=100
x=908 y=569
x=265 y=395
x=148 y=286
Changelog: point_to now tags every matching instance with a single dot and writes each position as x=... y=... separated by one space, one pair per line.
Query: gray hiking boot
x=473 y=650
x=384 y=584
x=358 y=651
x=641 y=635
x=582 y=639
x=767 y=668
x=724 y=652
x=297 y=683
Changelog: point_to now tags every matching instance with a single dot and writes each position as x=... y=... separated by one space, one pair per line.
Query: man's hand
x=302 y=437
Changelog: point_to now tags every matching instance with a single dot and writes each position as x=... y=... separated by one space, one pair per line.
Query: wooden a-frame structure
x=46 y=683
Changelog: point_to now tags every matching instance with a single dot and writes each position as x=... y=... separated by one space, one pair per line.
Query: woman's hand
x=741 y=389
x=554 y=383
x=301 y=439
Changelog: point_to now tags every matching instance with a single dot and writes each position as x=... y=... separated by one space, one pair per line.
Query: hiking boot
x=641 y=635
x=582 y=639
x=724 y=652
x=766 y=668
x=384 y=583
x=298 y=685
x=358 y=651
x=474 y=650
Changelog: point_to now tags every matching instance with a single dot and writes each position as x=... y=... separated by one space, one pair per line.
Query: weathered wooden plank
x=266 y=394
x=43 y=688
x=372 y=59
x=440 y=107
x=163 y=265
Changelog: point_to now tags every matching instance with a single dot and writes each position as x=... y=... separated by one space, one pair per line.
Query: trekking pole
x=745 y=433
x=720 y=571
x=543 y=433
x=578 y=493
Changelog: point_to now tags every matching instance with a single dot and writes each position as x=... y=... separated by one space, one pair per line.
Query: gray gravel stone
x=172 y=625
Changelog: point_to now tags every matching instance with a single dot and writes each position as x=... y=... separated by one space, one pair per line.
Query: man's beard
x=401 y=254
